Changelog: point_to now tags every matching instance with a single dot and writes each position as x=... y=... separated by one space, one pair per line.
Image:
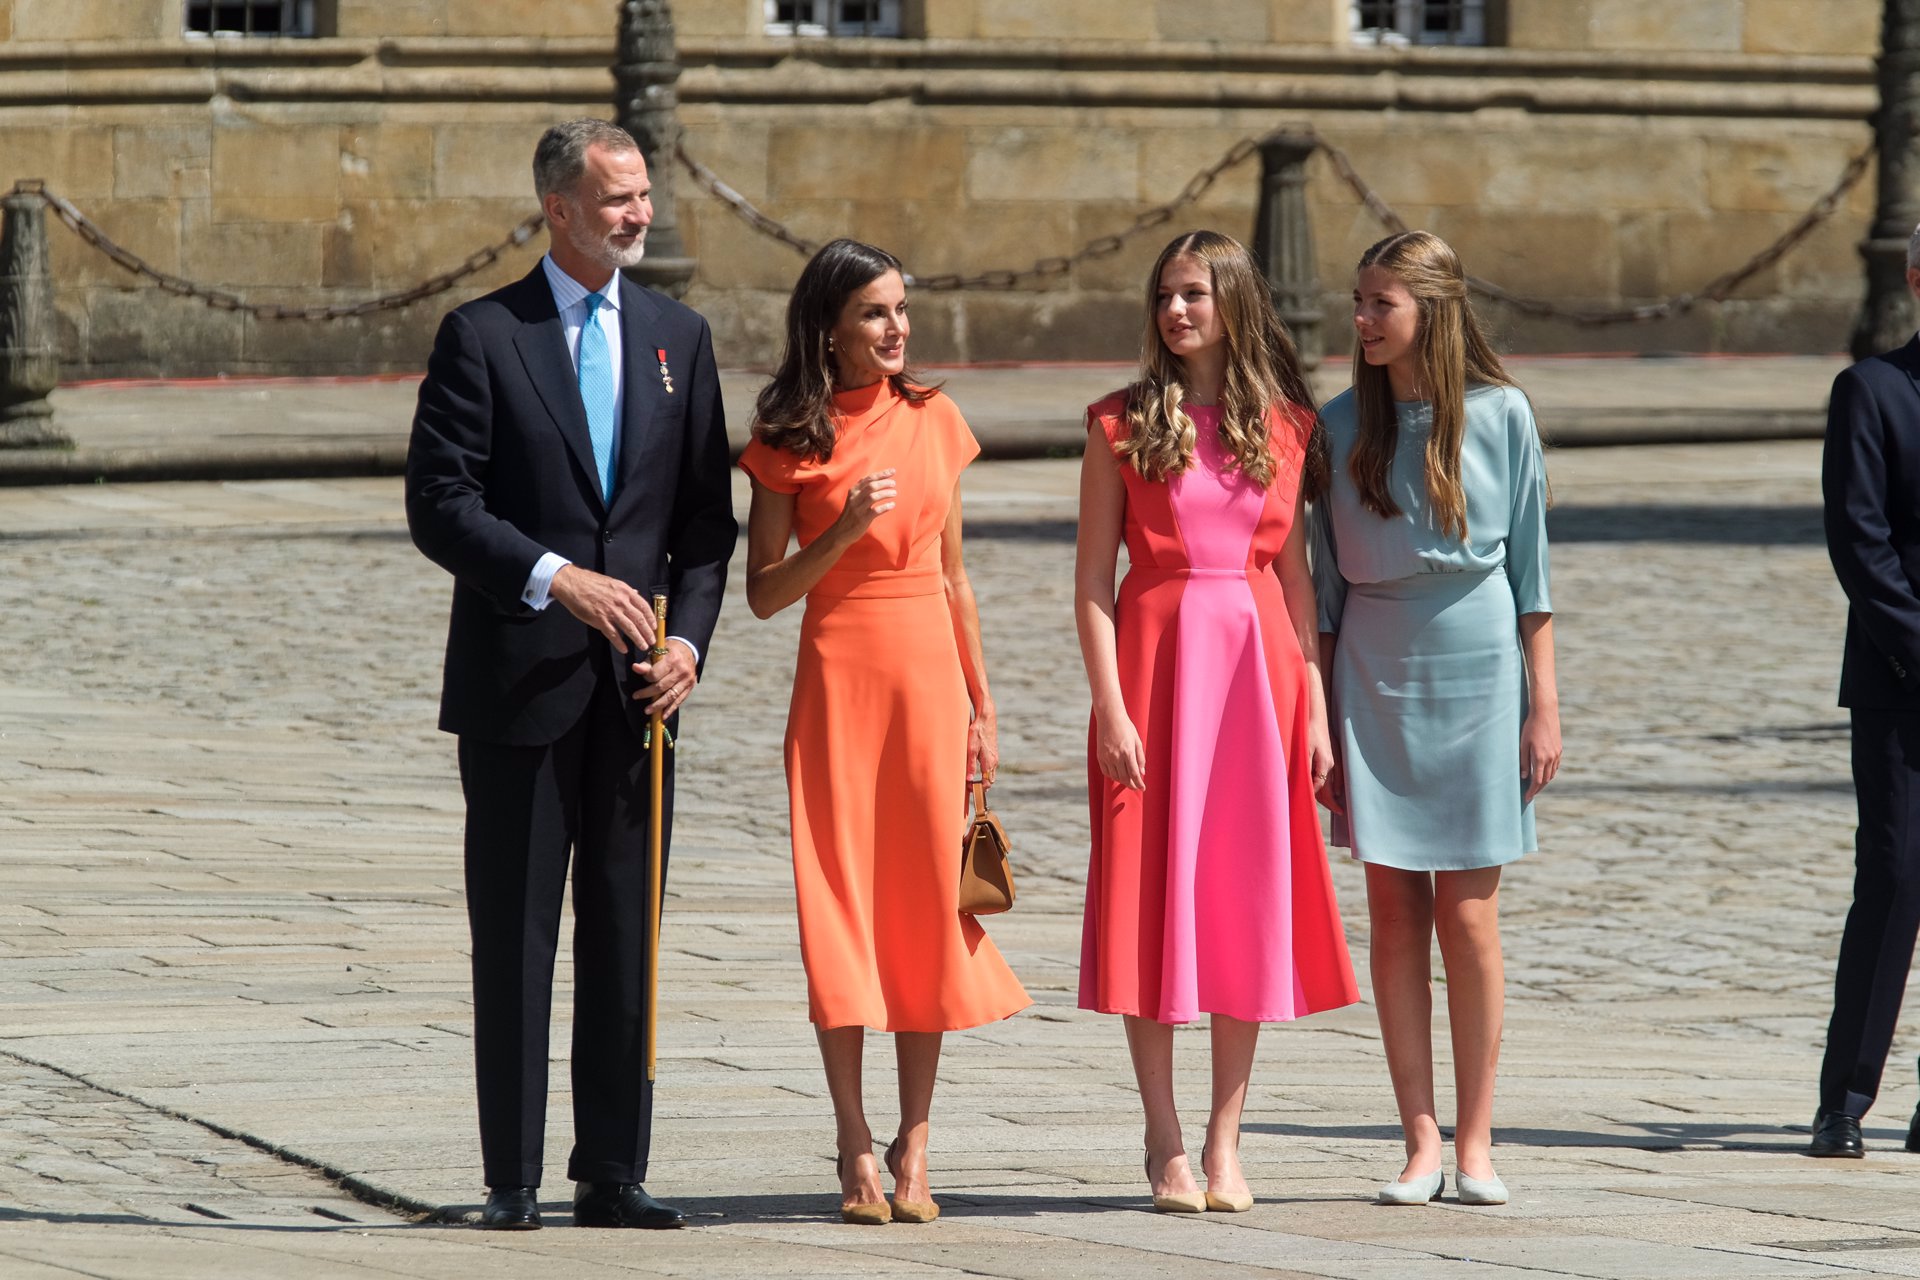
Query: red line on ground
x=247 y=380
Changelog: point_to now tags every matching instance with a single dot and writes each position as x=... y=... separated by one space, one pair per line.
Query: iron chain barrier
x=1716 y=290
x=221 y=300
x=1044 y=269
x=1719 y=289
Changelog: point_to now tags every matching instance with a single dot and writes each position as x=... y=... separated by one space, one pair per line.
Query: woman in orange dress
x=890 y=713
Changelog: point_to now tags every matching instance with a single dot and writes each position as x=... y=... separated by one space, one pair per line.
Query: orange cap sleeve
x=774 y=468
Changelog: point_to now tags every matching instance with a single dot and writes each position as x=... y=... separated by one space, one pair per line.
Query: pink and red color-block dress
x=1209 y=891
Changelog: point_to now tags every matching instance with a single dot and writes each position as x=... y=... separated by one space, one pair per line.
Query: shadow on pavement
x=1020 y=530
x=1731 y=525
x=1707 y=524
x=1761 y=788
x=356 y=1225
x=706 y=1210
x=1660 y=1136
x=10 y=1214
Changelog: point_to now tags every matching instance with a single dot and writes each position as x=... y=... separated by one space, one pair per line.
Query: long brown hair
x=1451 y=354
x=795 y=410
x=1263 y=369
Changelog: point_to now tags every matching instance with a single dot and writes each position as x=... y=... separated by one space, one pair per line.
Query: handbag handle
x=979 y=795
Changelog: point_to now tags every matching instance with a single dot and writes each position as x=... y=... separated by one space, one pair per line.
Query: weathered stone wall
x=1696 y=26
x=335 y=169
x=1701 y=26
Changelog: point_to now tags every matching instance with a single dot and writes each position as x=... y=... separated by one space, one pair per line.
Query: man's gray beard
x=600 y=249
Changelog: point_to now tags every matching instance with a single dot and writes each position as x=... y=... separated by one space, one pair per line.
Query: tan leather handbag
x=986 y=877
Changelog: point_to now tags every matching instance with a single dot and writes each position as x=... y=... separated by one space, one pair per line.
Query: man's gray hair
x=561 y=157
x=1913 y=250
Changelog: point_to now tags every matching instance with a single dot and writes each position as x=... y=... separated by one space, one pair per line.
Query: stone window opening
x=242 y=18
x=833 y=17
x=1406 y=22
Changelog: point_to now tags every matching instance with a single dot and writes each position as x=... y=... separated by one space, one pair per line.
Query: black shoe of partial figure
x=622 y=1204
x=511 y=1209
x=1913 y=1131
x=1836 y=1135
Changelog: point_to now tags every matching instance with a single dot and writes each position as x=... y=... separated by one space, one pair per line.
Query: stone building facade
x=1592 y=152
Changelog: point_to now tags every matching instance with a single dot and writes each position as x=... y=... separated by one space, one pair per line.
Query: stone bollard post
x=1283 y=241
x=29 y=356
x=646 y=106
x=1886 y=314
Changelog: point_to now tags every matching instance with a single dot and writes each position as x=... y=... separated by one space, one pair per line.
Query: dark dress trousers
x=1870 y=482
x=500 y=470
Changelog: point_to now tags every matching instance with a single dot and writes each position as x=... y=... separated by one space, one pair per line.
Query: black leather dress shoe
x=511 y=1209
x=1836 y=1136
x=622 y=1204
x=1913 y=1131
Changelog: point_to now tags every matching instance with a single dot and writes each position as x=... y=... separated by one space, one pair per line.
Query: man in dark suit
x=1871 y=484
x=569 y=449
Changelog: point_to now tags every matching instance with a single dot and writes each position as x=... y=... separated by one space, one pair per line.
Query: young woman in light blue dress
x=1437 y=637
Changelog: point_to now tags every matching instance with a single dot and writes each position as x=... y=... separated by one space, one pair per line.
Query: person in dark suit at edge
x=569 y=448
x=1870 y=482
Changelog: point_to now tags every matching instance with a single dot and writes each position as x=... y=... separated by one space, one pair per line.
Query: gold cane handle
x=654 y=655
x=659 y=649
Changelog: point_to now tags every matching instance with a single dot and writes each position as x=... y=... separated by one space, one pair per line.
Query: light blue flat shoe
x=1419 y=1191
x=1480 y=1190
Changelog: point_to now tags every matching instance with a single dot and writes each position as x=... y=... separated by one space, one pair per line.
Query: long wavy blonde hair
x=1263 y=372
x=1452 y=354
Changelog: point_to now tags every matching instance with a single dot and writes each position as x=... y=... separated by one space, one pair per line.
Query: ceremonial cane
x=657 y=763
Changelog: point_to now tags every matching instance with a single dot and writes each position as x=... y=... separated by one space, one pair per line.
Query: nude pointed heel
x=1226 y=1201
x=1181 y=1202
x=861 y=1215
x=908 y=1210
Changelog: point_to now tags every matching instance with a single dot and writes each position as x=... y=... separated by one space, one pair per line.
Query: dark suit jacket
x=1870 y=480
x=500 y=470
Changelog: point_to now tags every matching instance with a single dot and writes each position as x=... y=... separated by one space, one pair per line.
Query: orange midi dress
x=876 y=745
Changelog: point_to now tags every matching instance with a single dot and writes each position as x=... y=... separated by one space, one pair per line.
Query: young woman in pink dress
x=1208 y=889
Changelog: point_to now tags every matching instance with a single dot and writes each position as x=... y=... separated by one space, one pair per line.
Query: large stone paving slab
x=232 y=942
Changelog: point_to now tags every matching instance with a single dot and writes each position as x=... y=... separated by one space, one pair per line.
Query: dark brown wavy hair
x=795 y=410
x=1453 y=354
x=1263 y=370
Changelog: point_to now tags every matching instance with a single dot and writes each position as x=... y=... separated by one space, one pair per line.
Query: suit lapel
x=641 y=389
x=542 y=344
x=1908 y=357
x=1907 y=360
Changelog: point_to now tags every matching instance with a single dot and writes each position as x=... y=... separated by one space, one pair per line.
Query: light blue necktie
x=596 y=393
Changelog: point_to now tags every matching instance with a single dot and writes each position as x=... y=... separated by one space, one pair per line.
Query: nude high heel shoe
x=908 y=1210
x=1226 y=1201
x=862 y=1215
x=1181 y=1202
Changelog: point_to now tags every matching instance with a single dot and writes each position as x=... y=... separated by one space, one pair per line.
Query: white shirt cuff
x=540 y=581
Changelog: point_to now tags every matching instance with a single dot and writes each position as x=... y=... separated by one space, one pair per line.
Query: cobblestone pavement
x=233 y=1006
x=247 y=428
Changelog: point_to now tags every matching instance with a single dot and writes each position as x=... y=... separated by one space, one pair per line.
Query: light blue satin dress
x=1429 y=686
